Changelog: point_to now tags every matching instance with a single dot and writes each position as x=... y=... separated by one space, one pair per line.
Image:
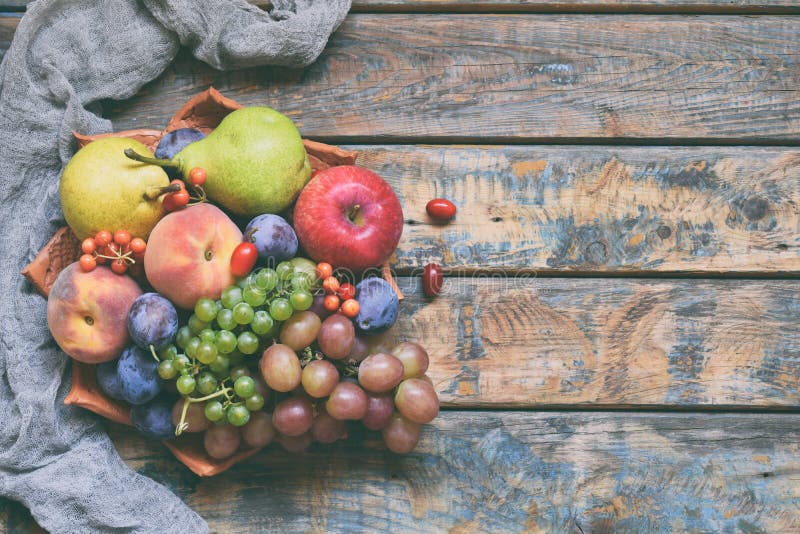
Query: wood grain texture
x=527 y=342
x=513 y=472
x=597 y=209
x=521 y=78
x=8 y=25
x=599 y=6
x=580 y=6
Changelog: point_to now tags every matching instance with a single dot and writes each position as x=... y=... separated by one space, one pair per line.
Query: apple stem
x=132 y=154
x=154 y=192
x=354 y=215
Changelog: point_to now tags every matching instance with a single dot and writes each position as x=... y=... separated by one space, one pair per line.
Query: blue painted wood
x=527 y=341
x=512 y=472
x=597 y=209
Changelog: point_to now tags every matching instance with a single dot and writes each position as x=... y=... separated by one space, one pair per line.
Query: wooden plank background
x=513 y=472
x=598 y=209
x=459 y=78
x=598 y=263
x=526 y=342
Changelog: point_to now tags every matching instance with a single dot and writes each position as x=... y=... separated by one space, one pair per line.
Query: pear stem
x=154 y=192
x=132 y=154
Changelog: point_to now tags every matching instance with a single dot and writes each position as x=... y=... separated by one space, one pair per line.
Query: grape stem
x=224 y=391
x=153 y=352
x=183 y=425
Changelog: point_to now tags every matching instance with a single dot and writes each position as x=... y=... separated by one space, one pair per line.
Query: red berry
x=138 y=245
x=197 y=176
x=169 y=203
x=122 y=237
x=102 y=238
x=331 y=303
x=179 y=183
x=87 y=263
x=441 y=209
x=347 y=291
x=432 y=279
x=119 y=266
x=350 y=308
x=324 y=270
x=88 y=246
x=113 y=249
x=181 y=198
x=243 y=259
x=331 y=284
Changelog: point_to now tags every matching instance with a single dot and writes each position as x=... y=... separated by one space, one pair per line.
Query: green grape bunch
x=212 y=351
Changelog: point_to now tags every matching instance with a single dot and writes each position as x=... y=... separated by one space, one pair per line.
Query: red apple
x=349 y=217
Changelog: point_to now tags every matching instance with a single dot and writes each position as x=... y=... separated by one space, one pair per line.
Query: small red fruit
x=181 y=198
x=179 y=183
x=102 y=238
x=87 y=263
x=243 y=259
x=169 y=203
x=119 y=266
x=197 y=176
x=441 y=209
x=432 y=280
x=331 y=303
x=122 y=237
x=347 y=291
x=324 y=270
x=350 y=308
x=138 y=245
x=88 y=246
x=331 y=284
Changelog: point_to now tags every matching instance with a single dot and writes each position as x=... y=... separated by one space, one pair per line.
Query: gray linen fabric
x=66 y=55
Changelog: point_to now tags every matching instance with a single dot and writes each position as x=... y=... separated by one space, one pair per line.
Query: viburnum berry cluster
x=338 y=296
x=176 y=200
x=121 y=251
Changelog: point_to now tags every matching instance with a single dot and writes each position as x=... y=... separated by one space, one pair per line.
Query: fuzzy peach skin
x=189 y=254
x=88 y=312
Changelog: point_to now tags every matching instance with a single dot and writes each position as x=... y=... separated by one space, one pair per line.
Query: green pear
x=101 y=189
x=255 y=161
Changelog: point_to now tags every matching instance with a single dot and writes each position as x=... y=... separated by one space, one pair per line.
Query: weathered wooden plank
x=598 y=209
x=8 y=25
x=533 y=342
x=527 y=6
x=512 y=472
x=521 y=78
x=16 y=519
x=599 y=6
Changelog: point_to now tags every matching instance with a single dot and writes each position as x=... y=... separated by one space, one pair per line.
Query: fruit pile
x=268 y=331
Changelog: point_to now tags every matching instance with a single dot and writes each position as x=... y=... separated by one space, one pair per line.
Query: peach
x=87 y=312
x=189 y=254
